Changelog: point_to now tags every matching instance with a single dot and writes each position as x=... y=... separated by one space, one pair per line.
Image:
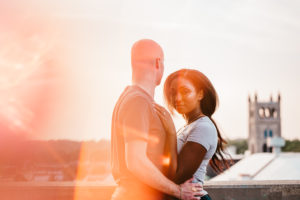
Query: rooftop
x=264 y=166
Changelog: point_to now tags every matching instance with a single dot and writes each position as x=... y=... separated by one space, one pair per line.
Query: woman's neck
x=193 y=115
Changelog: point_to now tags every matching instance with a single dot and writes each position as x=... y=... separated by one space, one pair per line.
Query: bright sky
x=242 y=46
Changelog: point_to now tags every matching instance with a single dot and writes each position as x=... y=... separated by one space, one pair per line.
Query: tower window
x=261 y=112
x=267 y=112
x=273 y=113
x=270 y=133
x=266 y=133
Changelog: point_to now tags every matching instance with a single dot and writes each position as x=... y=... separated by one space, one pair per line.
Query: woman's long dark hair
x=208 y=106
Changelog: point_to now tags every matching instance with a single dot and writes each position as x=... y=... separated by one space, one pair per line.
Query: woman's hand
x=166 y=119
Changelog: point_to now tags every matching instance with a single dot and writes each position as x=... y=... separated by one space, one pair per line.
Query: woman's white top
x=204 y=132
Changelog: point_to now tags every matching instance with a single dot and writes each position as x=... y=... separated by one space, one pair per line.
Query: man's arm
x=136 y=135
x=139 y=164
x=170 y=150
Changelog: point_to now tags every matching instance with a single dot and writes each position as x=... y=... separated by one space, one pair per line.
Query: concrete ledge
x=234 y=190
x=247 y=190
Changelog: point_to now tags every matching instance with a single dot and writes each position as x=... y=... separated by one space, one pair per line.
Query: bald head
x=147 y=60
x=145 y=52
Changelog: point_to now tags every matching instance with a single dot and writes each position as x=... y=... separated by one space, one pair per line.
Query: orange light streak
x=29 y=66
x=166 y=161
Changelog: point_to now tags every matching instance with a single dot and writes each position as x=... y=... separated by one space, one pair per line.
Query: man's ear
x=157 y=63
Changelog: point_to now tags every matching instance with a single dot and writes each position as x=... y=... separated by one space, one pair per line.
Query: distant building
x=264 y=124
x=264 y=138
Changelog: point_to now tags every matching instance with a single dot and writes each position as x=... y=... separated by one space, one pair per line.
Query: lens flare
x=29 y=66
x=166 y=161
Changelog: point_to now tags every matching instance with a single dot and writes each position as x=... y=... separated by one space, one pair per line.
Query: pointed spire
x=271 y=98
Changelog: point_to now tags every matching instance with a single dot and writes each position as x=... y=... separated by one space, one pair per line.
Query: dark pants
x=206 y=197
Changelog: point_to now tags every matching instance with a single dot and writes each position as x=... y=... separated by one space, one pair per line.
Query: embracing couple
x=150 y=160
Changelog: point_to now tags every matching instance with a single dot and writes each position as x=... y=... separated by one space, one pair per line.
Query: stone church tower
x=264 y=124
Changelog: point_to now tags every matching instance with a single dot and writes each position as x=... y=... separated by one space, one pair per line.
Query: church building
x=264 y=124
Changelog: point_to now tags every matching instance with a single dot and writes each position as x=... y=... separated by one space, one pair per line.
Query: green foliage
x=240 y=144
x=291 y=146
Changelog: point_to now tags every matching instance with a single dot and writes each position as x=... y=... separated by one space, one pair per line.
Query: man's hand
x=191 y=191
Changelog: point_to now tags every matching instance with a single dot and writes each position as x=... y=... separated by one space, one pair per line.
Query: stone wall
x=235 y=190
x=254 y=190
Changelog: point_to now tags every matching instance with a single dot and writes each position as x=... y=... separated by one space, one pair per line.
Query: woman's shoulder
x=204 y=123
x=203 y=131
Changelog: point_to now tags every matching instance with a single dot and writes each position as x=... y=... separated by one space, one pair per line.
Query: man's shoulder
x=134 y=95
x=132 y=100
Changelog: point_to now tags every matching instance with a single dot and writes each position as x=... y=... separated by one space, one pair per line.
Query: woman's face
x=185 y=97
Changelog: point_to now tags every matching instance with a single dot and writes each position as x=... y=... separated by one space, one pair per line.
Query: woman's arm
x=182 y=166
x=189 y=160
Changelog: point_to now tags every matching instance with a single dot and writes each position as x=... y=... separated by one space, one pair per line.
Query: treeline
x=242 y=145
x=34 y=152
x=291 y=146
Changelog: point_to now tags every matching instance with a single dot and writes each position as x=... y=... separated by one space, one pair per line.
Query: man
x=138 y=139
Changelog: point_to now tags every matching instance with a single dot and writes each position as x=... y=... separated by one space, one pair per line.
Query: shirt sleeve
x=204 y=134
x=136 y=119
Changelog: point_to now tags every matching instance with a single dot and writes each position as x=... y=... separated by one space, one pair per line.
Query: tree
x=240 y=144
x=291 y=146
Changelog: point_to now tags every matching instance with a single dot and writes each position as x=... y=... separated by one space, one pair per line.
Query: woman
x=199 y=142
